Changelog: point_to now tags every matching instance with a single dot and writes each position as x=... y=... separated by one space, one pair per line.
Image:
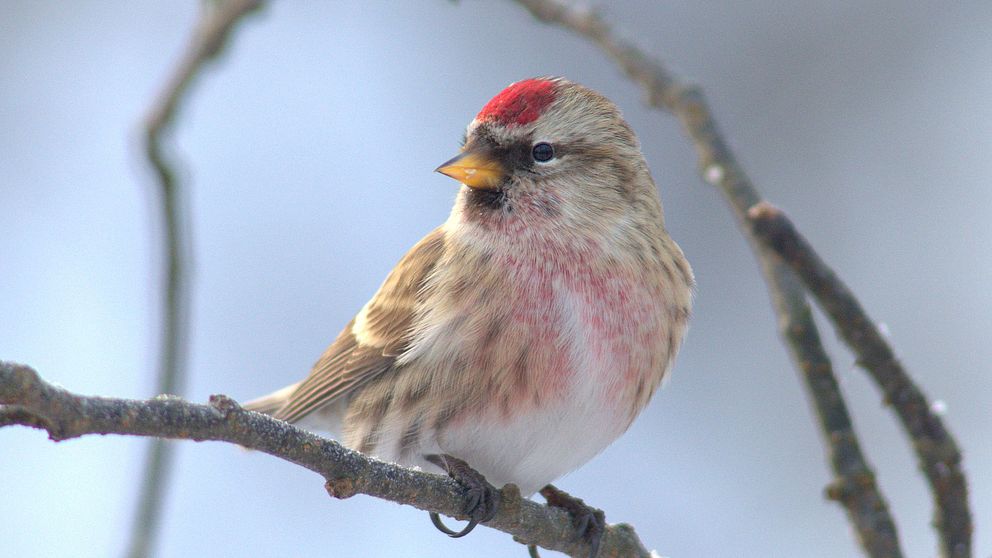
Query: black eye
x=543 y=152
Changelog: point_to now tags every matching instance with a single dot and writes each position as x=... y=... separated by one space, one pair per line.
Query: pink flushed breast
x=568 y=319
x=590 y=324
x=621 y=315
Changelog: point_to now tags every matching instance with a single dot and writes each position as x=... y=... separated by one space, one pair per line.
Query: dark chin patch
x=490 y=200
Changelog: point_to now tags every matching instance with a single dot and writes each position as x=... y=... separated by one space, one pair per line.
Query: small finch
x=521 y=337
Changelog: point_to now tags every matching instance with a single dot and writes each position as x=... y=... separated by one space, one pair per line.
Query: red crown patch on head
x=520 y=103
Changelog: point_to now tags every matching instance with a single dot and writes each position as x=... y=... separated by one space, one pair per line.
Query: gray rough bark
x=217 y=21
x=26 y=399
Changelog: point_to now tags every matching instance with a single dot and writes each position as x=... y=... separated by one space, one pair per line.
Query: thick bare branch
x=854 y=486
x=217 y=20
x=937 y=451
x=28 y=400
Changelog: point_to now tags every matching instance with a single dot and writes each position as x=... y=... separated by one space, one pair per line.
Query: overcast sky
x=306 y=157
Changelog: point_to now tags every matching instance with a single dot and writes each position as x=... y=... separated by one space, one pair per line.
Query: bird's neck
x=545 y=228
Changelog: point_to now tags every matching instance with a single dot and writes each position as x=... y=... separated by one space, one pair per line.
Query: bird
x=522 y=336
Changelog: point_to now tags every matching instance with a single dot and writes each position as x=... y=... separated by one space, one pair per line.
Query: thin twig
x=65 y=415
x=217 y=21
x=938 y=453
x=854 y=486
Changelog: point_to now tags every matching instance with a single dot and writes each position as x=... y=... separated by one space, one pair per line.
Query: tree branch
x=936 y=449
x=855 y=486
x=217 y=20
x=28 y=400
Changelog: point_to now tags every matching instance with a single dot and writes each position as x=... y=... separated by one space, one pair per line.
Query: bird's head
x=555 y=150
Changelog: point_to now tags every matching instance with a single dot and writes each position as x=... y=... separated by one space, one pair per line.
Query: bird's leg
x=481 y=498
x=589 y=522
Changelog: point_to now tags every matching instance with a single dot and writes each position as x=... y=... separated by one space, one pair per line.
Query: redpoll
x=525 y=334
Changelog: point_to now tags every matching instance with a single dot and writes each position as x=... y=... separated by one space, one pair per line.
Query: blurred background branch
x=849 y=112
x=218 y=18
x=855 y=487
x=937 y=451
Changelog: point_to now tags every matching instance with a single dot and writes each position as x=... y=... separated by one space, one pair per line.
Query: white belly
x=539 y=445
x=533 y=450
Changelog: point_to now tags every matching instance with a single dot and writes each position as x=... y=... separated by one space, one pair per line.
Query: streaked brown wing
x=384 y=333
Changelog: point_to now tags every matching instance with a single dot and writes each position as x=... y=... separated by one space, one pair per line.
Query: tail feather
x=271 y=403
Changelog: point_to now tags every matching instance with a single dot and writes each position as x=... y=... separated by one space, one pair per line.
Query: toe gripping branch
x=481 y=498
x=589 y=522
x=482 y=502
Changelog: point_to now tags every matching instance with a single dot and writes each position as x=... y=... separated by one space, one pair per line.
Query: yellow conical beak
x=475 y=169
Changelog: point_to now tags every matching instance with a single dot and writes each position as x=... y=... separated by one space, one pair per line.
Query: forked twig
x=855 y=487
x=936 y=449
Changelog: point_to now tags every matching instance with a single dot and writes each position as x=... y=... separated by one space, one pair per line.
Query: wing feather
x=369 y=345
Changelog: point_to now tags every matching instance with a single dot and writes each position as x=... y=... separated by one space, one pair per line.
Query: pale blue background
x=308 y=154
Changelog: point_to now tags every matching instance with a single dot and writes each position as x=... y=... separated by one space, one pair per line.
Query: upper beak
x=475 y=168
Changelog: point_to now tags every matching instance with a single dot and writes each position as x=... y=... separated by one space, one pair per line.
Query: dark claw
x=436 y=520
x=589 y=522
x=481 y=498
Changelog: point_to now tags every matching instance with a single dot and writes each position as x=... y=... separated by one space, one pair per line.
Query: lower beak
x=475 y=169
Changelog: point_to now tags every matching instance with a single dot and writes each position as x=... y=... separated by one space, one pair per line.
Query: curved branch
x=28 y=400
x=217 y=20
x=936 y=449
x=854 y=485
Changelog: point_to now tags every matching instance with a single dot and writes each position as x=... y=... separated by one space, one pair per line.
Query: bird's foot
x=481 y=498
x=589 y=522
